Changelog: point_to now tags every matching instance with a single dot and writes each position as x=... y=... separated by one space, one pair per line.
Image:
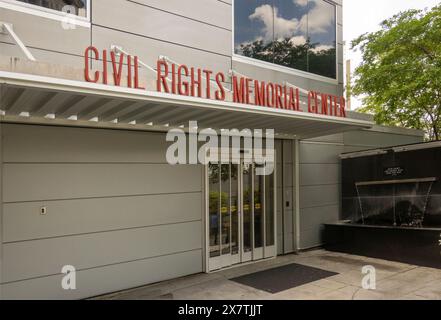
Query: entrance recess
x=241 y=214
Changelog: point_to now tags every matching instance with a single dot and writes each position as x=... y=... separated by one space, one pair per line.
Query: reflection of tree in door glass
x=214 y=207
x=225 y=208
x=247 y=207
x=258 y=209
x=234 y=210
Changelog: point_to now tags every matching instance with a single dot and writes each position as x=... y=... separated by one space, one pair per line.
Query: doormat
x=283 y=278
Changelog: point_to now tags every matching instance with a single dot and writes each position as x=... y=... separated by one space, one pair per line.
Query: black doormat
x=283 y=278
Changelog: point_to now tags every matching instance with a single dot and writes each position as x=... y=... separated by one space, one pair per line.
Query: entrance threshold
x=244 y=264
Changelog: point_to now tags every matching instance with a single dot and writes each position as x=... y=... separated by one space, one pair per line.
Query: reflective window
x=76 y=7
x=299 y=34
x=322 y=36
x=214 y=209
x=258 y=210
x=254 y=30
x=234 y=209
x=225 y=208
x=290 y=34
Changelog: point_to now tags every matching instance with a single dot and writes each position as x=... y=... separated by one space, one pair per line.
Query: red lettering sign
x=196 y=82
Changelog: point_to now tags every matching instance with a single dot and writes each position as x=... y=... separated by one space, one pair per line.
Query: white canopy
x=35 y=99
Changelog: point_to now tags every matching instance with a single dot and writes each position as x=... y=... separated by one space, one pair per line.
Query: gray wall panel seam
x=229 y=4
x=178 y=15
x=105 y=265
x=45 y=49
x=161 y=40
x=320 y=185
x=104 y=231
x=330 y=204
x=320 y=163
x=105 y=197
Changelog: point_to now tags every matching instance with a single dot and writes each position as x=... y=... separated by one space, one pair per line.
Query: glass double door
x=241 y=215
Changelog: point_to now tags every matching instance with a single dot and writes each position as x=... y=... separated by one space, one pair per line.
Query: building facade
x=89 y=89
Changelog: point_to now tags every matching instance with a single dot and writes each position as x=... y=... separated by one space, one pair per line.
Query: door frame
x=268 y=252
x=296 y=193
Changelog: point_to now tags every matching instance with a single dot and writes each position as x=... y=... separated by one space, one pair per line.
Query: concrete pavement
x=393 y=281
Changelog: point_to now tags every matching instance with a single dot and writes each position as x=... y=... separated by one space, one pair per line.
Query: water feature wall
x=393 y=188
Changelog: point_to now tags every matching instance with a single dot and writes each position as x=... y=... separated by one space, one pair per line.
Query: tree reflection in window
x=322 y=37
x=299 y=34
x=254 y=28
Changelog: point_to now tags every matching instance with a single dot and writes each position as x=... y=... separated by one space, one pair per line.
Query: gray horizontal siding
x=374 y=139
x=45 y=144
x=41 y=33
x=319 y=196
x=149 y=49
x=38 y=258
x=96 y=281
x=186 y=31
x=319 y=174
x=37 y=182
x=314 y=217
x=21 y=221
x=38 y=34
x=46 y=56
x=333 y=139
x=311 y=237
x=148 y=22
x=113 y=207
x=199 y=10
x=320 y=153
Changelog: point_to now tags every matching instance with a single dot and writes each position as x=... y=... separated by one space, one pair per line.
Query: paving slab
x=394 y=281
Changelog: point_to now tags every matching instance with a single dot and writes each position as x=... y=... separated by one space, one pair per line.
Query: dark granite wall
x=409 y=198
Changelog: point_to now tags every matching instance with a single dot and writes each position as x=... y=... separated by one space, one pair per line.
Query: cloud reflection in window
x=299 y=34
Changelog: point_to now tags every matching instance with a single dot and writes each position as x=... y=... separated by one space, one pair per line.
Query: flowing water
x=399 y=203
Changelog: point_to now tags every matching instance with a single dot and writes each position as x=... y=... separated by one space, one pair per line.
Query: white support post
x=6 y=28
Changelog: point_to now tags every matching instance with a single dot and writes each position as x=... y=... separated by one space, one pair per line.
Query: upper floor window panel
x=75 y=7
x=298 y=34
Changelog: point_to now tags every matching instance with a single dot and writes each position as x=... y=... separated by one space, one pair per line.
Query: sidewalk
x=394 y=281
